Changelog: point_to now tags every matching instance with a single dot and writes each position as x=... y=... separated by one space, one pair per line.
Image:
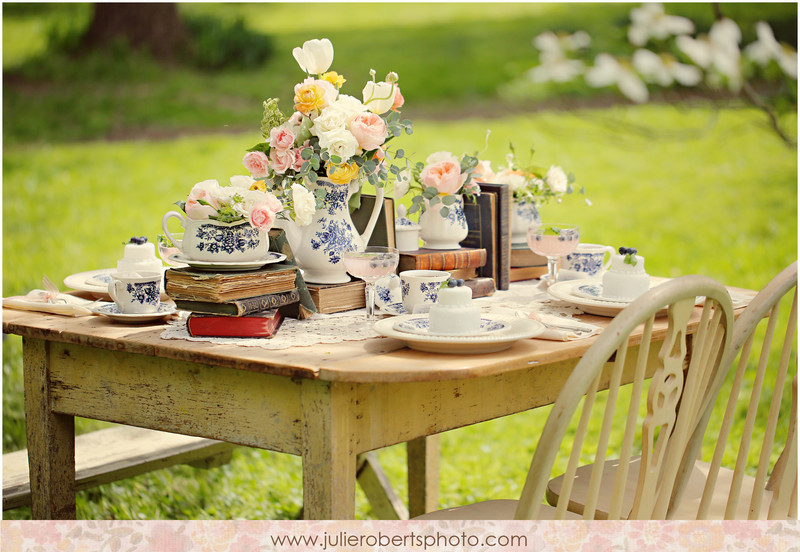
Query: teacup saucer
x=111 y=311
x=595 y=291
x=395 y=309
x=221 y=266
x=421 y=325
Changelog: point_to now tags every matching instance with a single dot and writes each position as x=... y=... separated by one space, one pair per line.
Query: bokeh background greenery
x=96 y=148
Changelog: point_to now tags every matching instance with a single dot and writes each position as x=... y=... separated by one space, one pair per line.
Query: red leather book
x=261 y=324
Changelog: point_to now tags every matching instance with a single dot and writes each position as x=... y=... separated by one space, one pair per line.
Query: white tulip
x=378 y=96
x=315 y=57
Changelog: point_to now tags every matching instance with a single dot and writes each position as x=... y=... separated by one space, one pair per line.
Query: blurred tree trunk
x=155 y=27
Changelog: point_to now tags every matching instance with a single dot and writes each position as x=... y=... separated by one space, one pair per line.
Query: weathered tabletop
x=326 y=403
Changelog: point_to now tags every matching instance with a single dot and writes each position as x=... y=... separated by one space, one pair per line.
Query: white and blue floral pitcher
x=318 y=247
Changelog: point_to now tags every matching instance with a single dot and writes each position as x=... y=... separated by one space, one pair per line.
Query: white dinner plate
x=110 y=310
x=90 y=281
x=420 y=324
x=222 y=266
x=521 y=328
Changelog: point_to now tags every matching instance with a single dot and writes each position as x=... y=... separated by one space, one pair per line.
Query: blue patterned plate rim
x=110 y=310
x=271 y=257
x=595 y=292
x=420 y=325
x=395 y=309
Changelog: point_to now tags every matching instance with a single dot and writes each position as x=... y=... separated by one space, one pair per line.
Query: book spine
x=443 y=260
x=482 y=224
x=504 y=200
x=240 y=307
x=204 y=325
x=518 y=274
x=481 y=287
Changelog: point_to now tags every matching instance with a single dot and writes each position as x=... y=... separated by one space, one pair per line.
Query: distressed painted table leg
x=329 y=458
x=51 y=439
x=423 y=474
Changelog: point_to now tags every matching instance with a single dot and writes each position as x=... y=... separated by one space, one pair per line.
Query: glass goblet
x=166 y=248
x=371 y=264
x=552 y=241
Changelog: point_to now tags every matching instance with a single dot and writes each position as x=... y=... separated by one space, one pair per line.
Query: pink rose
x=197 y=211
x=257 y=163
x=445 y=176
x=281 y=160
x=261 y=216
x=298 y=159
x=281 y=138
x=273 y=203
x=483 y=172
x=398 y=99
x=369 y=130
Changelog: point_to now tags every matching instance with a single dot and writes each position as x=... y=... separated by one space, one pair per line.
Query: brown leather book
x=330 y=298
x=435 y=259
x=481 y=287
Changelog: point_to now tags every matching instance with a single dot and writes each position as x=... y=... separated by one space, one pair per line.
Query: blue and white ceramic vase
x=318 y=247
x=523 y=215
x=213 y=241
x=440 y=232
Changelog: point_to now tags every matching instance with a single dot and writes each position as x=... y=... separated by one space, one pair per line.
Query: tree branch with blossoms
x=668 y=52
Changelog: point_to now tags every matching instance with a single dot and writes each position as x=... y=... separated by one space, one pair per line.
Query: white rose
x=304 y=204
x=242 y=181
x=349 y=105
x=250 y=198
x=315 y=57
x=378 y=96
x=330 y=119
x=513 y=180
x=440 y=156
x=211 y=187
x=402 y=183
x=339 y=142
x=557 y=180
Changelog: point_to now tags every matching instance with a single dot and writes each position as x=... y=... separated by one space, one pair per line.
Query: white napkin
x=558 y=328
x=561 y=328
x=44 y=301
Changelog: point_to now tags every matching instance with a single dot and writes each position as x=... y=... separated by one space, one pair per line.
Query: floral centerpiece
x=439 y=186
x=532 y=187
x=329 y=134
x=317 y=159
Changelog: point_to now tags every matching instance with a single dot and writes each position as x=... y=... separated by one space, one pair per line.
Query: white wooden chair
x=760 y=483
x=711 y=490
x=664 y=433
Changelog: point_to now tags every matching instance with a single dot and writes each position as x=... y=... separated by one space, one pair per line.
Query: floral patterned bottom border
x=357 y=536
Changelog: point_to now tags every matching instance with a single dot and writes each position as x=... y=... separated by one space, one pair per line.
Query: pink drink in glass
x=370 y=264
x=552 y=241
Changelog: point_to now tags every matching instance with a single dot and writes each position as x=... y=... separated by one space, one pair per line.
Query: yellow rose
x=342 y=174
x=309 y=97
x=334 y=78
x=259 y=185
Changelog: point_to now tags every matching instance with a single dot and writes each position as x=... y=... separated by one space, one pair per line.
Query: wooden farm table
x=326 y=403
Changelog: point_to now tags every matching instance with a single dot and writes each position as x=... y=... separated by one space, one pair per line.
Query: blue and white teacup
x=136 y=292
x=421 y=287
x=589 y=259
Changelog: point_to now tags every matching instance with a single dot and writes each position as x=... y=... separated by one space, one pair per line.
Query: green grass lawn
x=97 y=150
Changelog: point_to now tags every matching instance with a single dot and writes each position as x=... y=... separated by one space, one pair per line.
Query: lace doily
x=321 y=328
x=523 y=298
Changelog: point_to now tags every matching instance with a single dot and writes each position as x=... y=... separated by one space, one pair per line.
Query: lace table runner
x=523 y=297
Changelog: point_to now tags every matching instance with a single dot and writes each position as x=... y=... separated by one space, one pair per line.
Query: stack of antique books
x=236 y=304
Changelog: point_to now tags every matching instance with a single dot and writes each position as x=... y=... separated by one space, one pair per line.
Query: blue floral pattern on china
x=334 y=238
x=406 y=288
x=430 y=290
x=588 y=263
x=421 y=325
x=217 y=239
x=456 y=215
x=591 y=290
x=144 y=292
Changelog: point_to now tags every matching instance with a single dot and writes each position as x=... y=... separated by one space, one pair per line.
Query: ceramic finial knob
x=401 y=211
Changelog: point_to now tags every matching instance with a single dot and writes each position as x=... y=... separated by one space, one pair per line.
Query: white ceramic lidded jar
x=406 y=231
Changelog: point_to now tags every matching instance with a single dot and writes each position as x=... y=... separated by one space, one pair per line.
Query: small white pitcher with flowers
x=441 y=184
